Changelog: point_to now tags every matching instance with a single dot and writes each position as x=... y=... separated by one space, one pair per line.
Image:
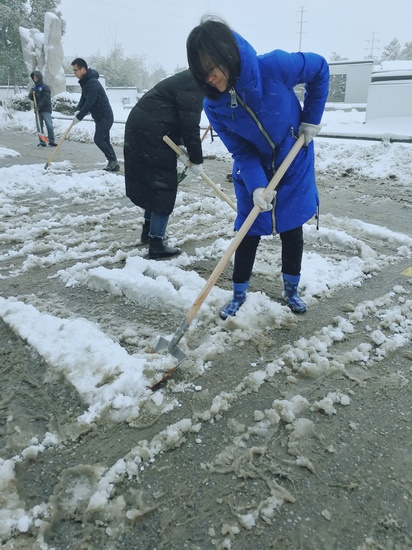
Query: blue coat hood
x=266 y=85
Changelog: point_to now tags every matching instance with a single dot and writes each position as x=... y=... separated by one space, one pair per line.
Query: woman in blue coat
x=251 y=104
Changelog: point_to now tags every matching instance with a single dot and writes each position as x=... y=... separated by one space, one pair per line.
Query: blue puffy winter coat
x=266 y=86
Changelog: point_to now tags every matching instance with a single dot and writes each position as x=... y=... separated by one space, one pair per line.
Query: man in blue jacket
x=94 y=100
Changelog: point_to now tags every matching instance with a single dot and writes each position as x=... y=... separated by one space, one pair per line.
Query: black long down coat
x=173 y=107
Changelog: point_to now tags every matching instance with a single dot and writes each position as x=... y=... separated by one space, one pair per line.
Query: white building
x=349 y=81
x=390 y=91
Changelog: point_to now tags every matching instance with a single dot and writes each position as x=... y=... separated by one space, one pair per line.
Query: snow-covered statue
x=44 y=52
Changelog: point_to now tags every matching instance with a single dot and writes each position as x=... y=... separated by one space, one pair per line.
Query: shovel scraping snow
x=42 y=137
x=172 y=346
x=64 y=136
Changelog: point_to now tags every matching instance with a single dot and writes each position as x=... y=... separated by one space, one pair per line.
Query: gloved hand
x=196 y=169
x=184 y=157
x=309 y=131
x=75 y=119
x=265 y=204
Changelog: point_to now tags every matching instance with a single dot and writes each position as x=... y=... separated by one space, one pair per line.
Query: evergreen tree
x=15 y=14
x=392 y=51
x=157 y=74
x=37 y=10
x=121 y=70
x=406 y=52
x=179 y=69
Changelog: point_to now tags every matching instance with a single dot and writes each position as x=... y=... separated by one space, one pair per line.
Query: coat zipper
x=234 y=100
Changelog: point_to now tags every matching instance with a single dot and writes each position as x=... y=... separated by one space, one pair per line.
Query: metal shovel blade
x=162 y=344
x=172 y=348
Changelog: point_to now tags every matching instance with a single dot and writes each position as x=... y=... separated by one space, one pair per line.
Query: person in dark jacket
x=94 y=100
x=252 y=106
x=40 y=94
x=173 y=107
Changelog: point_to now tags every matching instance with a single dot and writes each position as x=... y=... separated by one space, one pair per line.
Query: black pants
x=102 y=137
x=292 y=251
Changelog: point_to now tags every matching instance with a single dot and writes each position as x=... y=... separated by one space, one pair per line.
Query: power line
x=302 y=10
x=372 y=46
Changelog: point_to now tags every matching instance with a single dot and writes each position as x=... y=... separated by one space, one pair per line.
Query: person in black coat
x=94 y=100
x=41 y=94
x=173 y=107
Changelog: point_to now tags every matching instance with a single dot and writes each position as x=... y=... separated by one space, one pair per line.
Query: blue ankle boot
x=239 y=297
x=290 y=293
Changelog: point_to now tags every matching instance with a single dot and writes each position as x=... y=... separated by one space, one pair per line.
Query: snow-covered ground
x=108 y=379
x=369 y=159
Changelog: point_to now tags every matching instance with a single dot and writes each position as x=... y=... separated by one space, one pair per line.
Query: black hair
x=81 y=63
x=212 y=41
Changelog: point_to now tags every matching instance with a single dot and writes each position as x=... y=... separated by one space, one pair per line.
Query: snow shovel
x=171 y=346
x=42 y=137
x=208 y=129
x=179 y=151
x=64 y=136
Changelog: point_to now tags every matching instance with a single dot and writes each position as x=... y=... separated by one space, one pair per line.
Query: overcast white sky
x=158 y=29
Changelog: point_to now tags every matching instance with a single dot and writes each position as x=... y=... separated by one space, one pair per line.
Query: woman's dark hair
x=212 y=41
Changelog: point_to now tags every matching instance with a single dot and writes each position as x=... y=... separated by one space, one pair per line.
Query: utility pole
x=372 y=47
x=301 y=27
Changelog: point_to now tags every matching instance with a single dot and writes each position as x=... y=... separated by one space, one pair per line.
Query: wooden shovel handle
x=64 y=136
x=206 y=178
x=41 y=136
x=208 y=129
x=190 y=315
x=35 y=108
x=222 y=195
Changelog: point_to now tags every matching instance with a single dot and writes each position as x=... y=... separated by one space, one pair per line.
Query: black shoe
x=52 y=144
x=144 y=237
x=157 y=249
x=41 y=144
x=112 y=166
